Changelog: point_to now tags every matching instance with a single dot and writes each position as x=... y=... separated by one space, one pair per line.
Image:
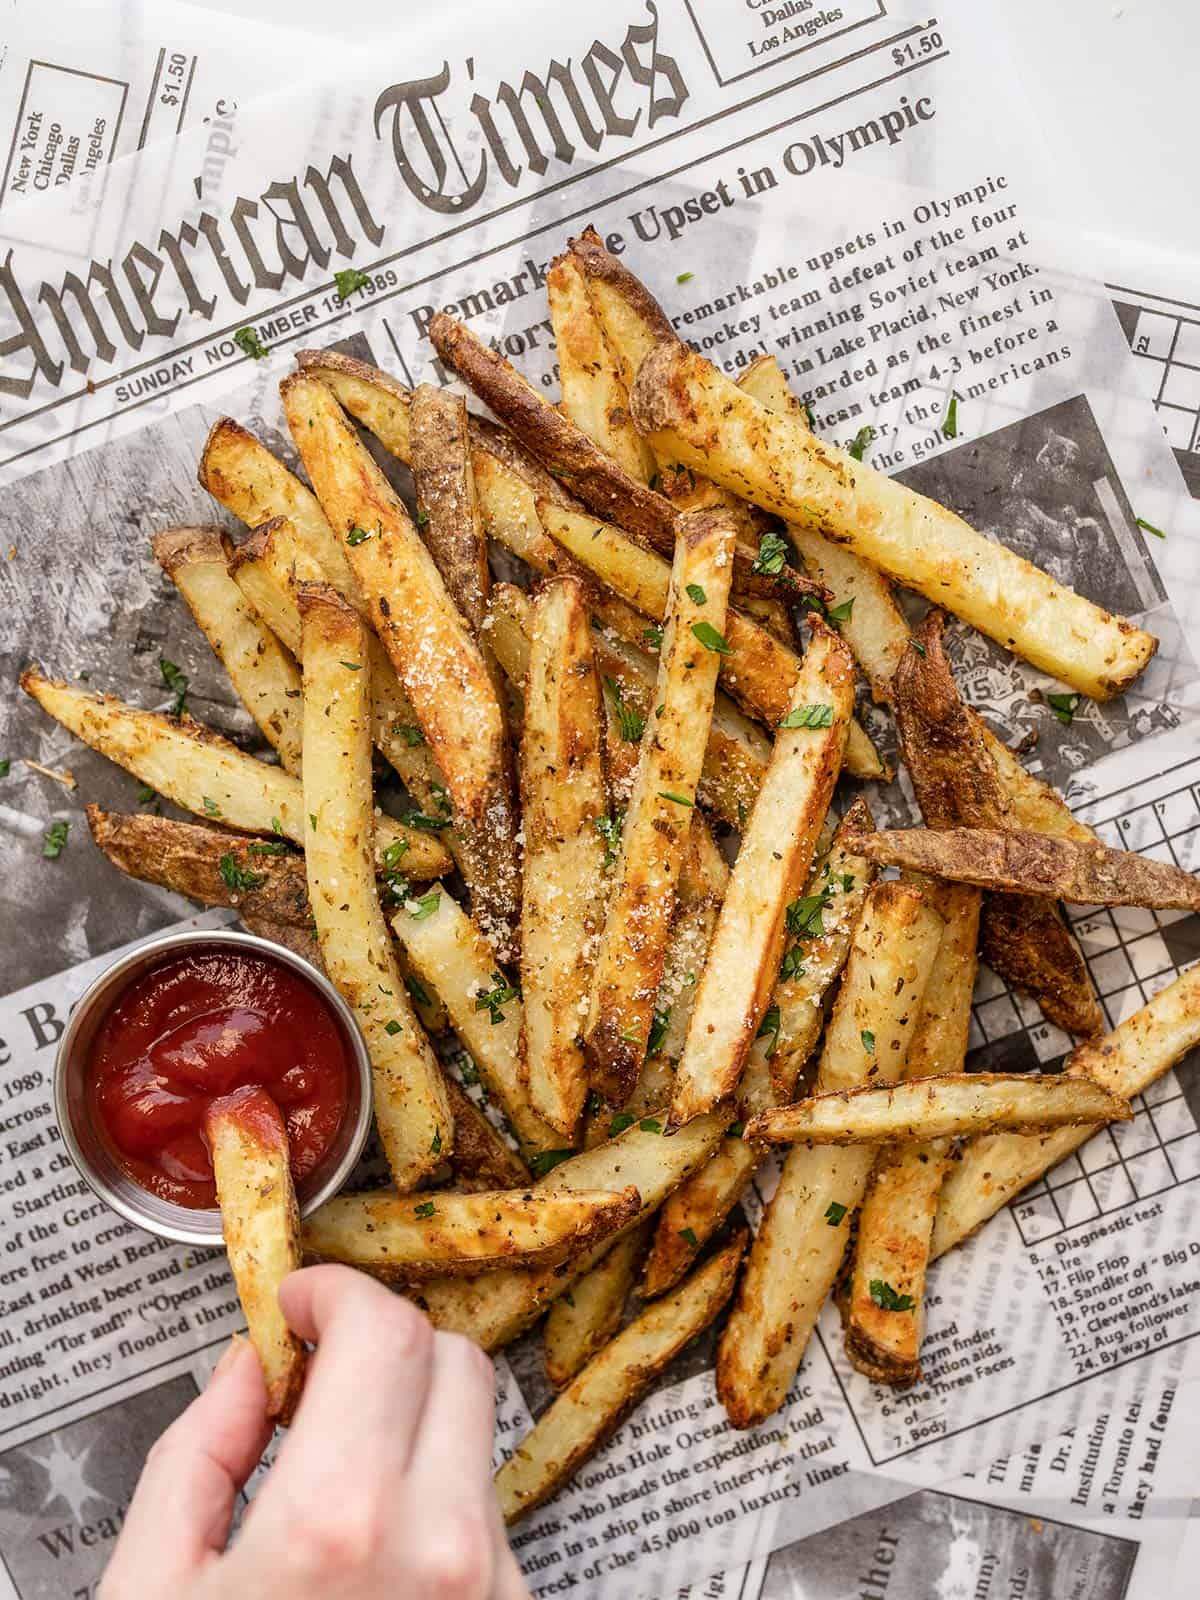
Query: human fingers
x=183 y=1505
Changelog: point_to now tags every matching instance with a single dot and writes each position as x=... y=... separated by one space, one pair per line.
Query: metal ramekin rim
x=183 y=1231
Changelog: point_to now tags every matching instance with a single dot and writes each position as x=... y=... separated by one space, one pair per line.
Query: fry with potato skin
x=480 y=1158
x=563 y=796
x=435 y=657
x=775 y=856
x=186 y=762
x=801 y=1240
x=261 y=671
x=600 y=1397
x=412 y=1112
x=445 y=484
x=629 y=962
x=261 y=1225
x=1024 y=938
x=497 y=1306
x=684 y=404
x=1013 y=861
x=411 y=1238
x=994 y=1169
x=593 y=394
x=944 y=1107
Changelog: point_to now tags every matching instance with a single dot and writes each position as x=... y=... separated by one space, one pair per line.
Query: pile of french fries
x=710 y=585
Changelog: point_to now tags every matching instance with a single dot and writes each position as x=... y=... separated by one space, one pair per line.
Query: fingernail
x=229 y=1358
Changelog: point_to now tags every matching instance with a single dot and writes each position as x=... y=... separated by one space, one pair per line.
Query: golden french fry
x=264 y=675
x=186 y=762
x=432 y=649
x=447 y=510
x=992 y=1170
x=412 y=1112
x=413 y=1237
x=682 y=403
x=774 y=858
x=261 y=1225
x=563 y=798
x=583 y=1320
x=633 y=945
x=601 y=1395
x=802 y=1238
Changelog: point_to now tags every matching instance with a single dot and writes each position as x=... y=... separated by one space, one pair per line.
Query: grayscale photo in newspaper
x=826 y=185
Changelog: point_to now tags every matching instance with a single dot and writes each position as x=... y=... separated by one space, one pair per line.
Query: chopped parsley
x=420 y=909
x=237 y=878
x=249 y=343
x=840 y=613
x=609 y=829
x=950 y=426
x=768 y=1028
x=277 y=827
x=696 y=594
x=813 y=716
x=392 y=1027
x=1148 y=527
x=426 y=1209
x=886 y=1298
x=653 y=635
x=422 y=819
x=146 y=795
x=792 y=965
x=176 y=681
x=808 y=414
x=418 y=990
x=352 y=666
x=862 y=439
x=688 y=1235
x=680 y=800
x=409 y=732
x=868 y=1041
x=1064 y=706
x=546 y=1160
x=736 y=1130
x=6 y=768
x=211 y=807
x=435 y=1146
x=268 y=847
x=918 y=647
x=622 y=1120
x=358 y=536
x=349 y=280
x=658 y=1031
x=394 y=880
x=772 y=555
x=835 y=1213
x=422 y=517
x=630 y=722
x=804 y=915
x=684 y=277
x=495 y=999
x=650 y=1125
x=55 y=840
x=312 y=820
x=711 y=639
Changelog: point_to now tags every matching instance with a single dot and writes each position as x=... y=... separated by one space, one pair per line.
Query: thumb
x=183 y=1504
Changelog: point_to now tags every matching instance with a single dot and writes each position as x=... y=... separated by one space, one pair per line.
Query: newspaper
x=823 y=182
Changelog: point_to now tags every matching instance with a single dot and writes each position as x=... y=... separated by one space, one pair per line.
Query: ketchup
x=195 y=1027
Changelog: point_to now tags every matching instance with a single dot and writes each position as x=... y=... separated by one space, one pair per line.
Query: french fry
x=238 y=470
x=874 y=626
x=757 y=670
x=1018 y=862
x=186 y=762
x=494 y=1308
x=411 y=1238
x=798 y=1250
x=563 y=796
x=448 y=951
x=261 y=1225
x=920 y=1109
x=1024 y=938
x=445 y=483
x=264 y=676
x=684 y=404
x=737 y=752
x=629 y=961
x=412 y=1112
x=480 y=1158
x=774 y=859
x=268 y=568
x=825 y=917
x=600 y=1397
x=1032 y=803
x=435 y=657
x=583 y=1320
x=593 y=395
x=939 y=1044
x=1125 y=1062
x=299 y=941
x=592 y=474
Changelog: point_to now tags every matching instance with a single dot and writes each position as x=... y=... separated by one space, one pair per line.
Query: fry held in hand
x=412 y=1112
x=682 y=403
x=261 y=1225
x=412 y=1237
x=800 y=1243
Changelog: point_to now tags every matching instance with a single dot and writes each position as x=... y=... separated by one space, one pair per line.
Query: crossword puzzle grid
x=1132 y=954
x=1165 y=341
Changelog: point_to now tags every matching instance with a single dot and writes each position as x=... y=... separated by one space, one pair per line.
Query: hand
x=382 y=1487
